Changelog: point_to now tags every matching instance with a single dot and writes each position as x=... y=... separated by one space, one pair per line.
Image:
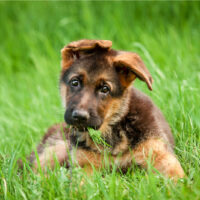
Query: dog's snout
x=80 y=115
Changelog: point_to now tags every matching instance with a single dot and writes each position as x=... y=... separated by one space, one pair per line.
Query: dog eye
x=75 y=83
x=105 y=89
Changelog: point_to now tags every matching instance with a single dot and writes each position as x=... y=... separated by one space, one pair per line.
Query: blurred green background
x=165 y=34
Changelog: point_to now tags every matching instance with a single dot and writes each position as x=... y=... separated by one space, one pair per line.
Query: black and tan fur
x=96 y=90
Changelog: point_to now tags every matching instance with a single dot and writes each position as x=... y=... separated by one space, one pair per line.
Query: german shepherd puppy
x=96 y=90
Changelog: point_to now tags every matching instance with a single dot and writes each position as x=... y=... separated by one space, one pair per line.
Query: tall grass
x=165 y=34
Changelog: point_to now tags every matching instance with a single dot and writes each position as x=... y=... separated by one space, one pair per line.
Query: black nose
x=80 y=115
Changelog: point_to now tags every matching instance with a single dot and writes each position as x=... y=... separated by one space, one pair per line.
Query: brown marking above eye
x=115 y=89
x=102 y=83
x=76 y=76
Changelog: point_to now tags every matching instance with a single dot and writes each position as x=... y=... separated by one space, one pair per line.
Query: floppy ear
x=77 y=49
x=129 y=66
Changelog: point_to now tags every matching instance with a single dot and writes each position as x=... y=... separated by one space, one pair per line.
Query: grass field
x=165 y=34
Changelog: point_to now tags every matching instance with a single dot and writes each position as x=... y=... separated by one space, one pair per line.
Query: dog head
x=95 y=80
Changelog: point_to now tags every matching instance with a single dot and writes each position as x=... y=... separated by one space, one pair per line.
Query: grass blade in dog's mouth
x=96 y=137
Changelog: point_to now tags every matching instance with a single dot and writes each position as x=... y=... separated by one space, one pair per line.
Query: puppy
x=96 y=90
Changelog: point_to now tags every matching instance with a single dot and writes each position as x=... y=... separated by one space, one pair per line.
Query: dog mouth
x=82 y=128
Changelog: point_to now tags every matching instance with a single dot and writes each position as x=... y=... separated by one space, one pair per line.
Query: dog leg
x=87 y=160
x=55 y=145
x=47 y=157
x=162 y=159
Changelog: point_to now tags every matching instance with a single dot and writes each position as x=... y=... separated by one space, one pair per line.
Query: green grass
x=165 y=34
